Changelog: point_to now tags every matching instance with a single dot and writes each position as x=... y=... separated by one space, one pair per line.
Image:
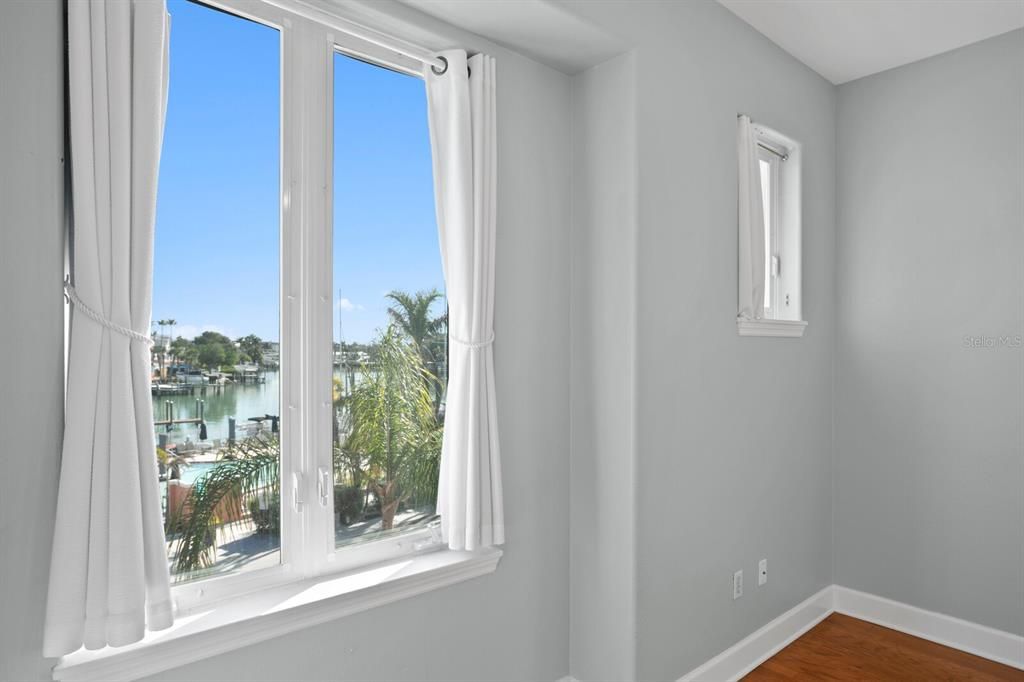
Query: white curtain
x=751 y=224
x=461 y=107
x=108 y=573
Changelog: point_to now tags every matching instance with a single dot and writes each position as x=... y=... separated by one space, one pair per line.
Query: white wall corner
x=741 y=658
x=980 y=640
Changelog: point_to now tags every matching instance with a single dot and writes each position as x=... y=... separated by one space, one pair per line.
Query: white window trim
x=271 y=613
x=792 y=328
x=786 y=319
x=314 y=582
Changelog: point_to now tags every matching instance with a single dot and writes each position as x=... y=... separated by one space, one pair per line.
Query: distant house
x=271 y=354
x=247 y=373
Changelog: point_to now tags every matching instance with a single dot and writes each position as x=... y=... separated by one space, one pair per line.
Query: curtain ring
x=442 y=71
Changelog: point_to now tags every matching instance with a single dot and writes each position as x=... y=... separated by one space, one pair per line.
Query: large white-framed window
x=309 y=502
x=290 y=139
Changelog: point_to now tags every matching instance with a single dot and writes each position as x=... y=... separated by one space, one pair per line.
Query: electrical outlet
x=762 y=572
x=737 y=584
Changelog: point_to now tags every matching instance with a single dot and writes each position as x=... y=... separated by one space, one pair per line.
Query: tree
x=393 y=428
x=411 y=314
x=246 y=473
x=211 y=355
x=215 y=350
x=184 y=351
x=159 y=349
x=252 y=346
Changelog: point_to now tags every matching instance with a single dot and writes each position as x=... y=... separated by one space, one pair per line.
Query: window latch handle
x=776 y=266
x=323 y=484
x=435 y=537
x=297 y=500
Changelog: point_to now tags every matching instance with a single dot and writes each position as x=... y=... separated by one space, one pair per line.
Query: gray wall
x=602 y=485
x=509 y=625
x=32 y=327
x=929 y=487
x=732 y=443
x=734 y=434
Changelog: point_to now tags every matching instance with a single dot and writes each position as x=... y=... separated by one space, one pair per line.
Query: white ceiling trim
x=538 y=29
x=848 y=39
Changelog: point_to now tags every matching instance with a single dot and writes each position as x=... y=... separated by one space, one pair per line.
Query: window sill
x=790 y=328
x=269 y=613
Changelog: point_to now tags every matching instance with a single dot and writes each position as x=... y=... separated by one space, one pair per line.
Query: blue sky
x=217 y=230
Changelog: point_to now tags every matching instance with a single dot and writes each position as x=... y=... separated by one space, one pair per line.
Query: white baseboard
x=980 y=640
x=752 y=651
x=741 y=658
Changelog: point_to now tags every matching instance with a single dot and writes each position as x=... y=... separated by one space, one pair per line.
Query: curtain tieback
x=72 y=296
x=472 y=344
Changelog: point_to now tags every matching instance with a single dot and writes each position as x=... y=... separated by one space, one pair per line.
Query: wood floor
x=842 y=648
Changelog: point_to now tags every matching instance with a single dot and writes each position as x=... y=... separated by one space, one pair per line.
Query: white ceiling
x=848 y=39
x=539 y=29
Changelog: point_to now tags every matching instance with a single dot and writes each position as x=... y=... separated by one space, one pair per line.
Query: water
x=241 y=401
x=195 y=470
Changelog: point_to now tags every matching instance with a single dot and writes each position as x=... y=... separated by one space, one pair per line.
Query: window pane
x=766 y=195
x=216 y=295
x=390 y=337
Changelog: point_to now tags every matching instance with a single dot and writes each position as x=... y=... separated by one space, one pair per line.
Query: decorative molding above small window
x=791 y=328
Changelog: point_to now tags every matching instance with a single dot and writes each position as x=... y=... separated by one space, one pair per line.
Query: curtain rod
x=372 y=36
x=782 y=155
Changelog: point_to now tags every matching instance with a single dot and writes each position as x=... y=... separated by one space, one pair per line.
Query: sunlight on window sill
x=276 y=611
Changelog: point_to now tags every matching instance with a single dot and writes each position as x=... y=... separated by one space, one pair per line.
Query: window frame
x=772 y=246
x=309 y=40
x=783 y=314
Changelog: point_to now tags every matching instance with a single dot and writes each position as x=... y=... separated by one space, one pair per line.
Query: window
x=216 y=297
x=390 y=345
x=768 y=165
x=778 y=165
x=301 y=357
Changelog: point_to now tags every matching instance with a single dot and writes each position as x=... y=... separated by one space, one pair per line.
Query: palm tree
x=162 y=352
x=393 y=428
x=348 y=465
x=412 y=315
x=248 y=471
x=170 y=323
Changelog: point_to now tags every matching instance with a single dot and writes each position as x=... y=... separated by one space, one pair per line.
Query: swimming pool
x=195 y=470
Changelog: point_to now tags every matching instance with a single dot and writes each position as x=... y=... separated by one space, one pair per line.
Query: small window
x=778 y=160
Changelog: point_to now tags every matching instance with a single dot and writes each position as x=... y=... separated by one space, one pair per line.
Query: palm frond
x=251 y=469
x=393 y=425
